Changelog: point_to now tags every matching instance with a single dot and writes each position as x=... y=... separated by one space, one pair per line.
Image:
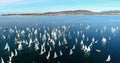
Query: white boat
x=93 y=39
x=12 y=54
x=10 y=58
x=35 y=32
x=59 y=43
x=87 y=39
x=87 y=27
x=108 y=59
x=42 y=50
x=81 y=42
x=73 y=47
x=47 y=57
x=16 y=52
x=96 y=41
x=83 y=36
x=113 y=30
x=61 y=53
x=88 y=49
x=2 y=61
x=71 y=52
x=3 y=36
x=55 y=55
x=7 y=47
x=22 y=32
x=20 y=46
x=98 y=50
x=104 y=40
x=36 y=47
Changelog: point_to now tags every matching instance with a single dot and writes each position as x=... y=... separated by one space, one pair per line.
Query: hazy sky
x=32 y=6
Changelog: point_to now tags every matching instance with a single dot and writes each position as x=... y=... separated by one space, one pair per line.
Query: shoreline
x=64 y=13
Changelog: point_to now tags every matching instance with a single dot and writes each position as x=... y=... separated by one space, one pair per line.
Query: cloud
x=6 y=2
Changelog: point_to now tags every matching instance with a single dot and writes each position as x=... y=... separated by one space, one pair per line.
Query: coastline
x=64 y=13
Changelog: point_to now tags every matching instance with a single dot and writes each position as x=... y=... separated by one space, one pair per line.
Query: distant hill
x=75 y=12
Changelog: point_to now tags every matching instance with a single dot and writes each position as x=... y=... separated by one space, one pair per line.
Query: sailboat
x=55 y=55
x=73 y=47
x=93 y=39
x=104 y=40
x=20 y=46
x=12 y=54
x=16 y=52
x=2 y=61
x=36 y=47
x=47 y=57
x=61 y=53
x=108 y=59
x=71 y=52
x=97 y=50
x=7 y=47
x=3 y=36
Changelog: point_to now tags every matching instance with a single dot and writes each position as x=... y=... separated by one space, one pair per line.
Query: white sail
x=65 y=40
x=88 y=49
x=10 y=58
x=2 y=61
x=87 y=39
x=55 y=55
x=7 y=47
x=108 y=59
x=3 y=36
x=42 y=48
x=20 y=46
x=81 y=42
x=9 y=62
x=16 y=52
x=76 y=40
x=22 y=32
x=50 y=49
x=83 y=47
x=71 y=52
x=113 y=30
x=87 y=27
x=96 y=41
x=35 y=32
x=59 y=43
x=78 y=32
x=36 y=47
x=83 y=36
x=73 y=47
x=11 y=30
x=18 y=35
x=30 y=42
x=15 y=27
x=47 y=57
x=104 y=40
x=12 y=54
x=93 y=39
x=61 y=53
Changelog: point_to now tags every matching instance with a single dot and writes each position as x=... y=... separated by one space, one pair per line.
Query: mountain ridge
x=70 y=12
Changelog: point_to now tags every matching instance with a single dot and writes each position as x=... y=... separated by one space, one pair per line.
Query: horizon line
x=56 y=11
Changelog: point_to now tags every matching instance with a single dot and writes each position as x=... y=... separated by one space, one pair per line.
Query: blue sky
x=40 y=6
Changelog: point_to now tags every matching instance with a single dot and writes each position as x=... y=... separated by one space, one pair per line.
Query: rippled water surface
x=59 y=39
